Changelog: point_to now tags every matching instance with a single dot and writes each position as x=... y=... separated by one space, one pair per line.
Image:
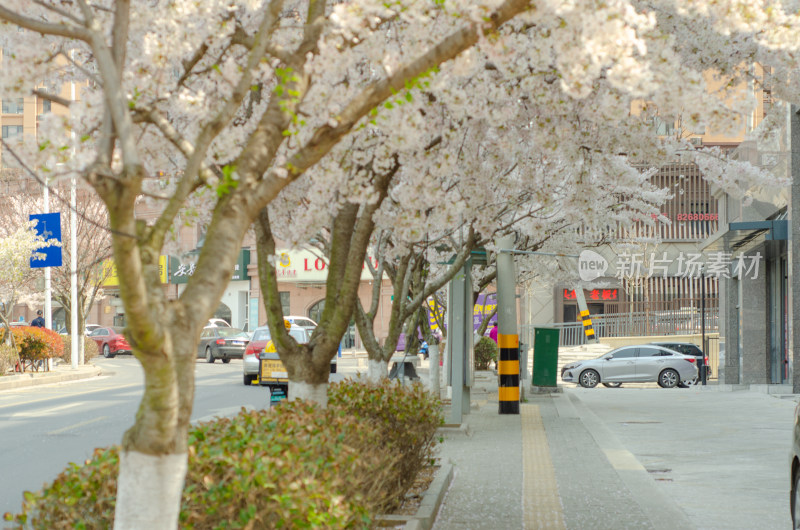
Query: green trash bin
x=545 y=356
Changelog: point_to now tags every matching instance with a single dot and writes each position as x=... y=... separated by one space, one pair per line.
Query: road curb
x=11 y=382
x=428 y=507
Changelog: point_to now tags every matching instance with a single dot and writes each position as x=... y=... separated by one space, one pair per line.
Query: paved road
x=723 y=457
x=43 y=428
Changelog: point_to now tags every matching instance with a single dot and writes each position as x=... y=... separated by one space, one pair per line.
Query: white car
x=303 y=322
x=633 y=364
x=217 y=323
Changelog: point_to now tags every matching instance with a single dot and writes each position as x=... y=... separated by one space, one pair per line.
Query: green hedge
x=485 y=353
x=296 y=466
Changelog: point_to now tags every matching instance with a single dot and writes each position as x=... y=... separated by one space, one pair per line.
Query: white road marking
x=62 y=396
x=81 y=424
x=47 y=411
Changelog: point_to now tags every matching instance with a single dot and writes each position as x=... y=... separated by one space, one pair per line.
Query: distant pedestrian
x=493 y=333
x=38 y=322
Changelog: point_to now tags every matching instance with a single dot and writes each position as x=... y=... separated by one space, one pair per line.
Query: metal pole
x=583 y=308
x=75 y=346
x=507 y=336
x=77 y=354
x=48 y=317
x=703 y=325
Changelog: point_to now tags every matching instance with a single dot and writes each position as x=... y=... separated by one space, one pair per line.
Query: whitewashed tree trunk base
x=149 y=490
x=433 y=357
x=377 y=370
x=316 y=393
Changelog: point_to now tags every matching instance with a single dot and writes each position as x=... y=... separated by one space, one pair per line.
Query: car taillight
x=251 y=350
x=220 y=342
x=691 y=360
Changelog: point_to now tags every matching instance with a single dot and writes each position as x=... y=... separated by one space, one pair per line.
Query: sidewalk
x=59 y=373
x=570 y=461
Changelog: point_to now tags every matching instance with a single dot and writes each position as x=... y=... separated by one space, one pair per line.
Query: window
x=13 y=106
x=652 y=352
x=624 y=353
x=285 y=302
x=315 y=313
x=664 y=126
x=685 y=349
x=12 y=131
x=46 y=106
x=261 y=334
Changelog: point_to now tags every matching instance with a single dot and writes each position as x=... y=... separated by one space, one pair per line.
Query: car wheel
x=589 y=379
x=249 y=379
x=612 y=385
x=225 y=360
x=796 y=501
x=669 y=378
x=107 y=352
x=209 y=357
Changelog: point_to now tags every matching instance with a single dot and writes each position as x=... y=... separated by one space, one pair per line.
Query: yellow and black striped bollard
x=508 y=369
x=588 y=330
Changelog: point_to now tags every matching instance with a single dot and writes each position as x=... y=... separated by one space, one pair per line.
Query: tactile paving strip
x=541 y=504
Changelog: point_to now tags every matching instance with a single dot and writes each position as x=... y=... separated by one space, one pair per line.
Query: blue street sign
x=49 y=227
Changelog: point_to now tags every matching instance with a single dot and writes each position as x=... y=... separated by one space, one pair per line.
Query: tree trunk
x=154 y=454
x=149 y=490
x=315 y=392
x=377 y=370
x=433 y=356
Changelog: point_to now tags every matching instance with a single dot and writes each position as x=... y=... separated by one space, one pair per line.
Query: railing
x=676 y=322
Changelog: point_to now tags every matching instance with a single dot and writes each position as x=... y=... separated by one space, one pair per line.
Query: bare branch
x=45 y=28
x=51 y=97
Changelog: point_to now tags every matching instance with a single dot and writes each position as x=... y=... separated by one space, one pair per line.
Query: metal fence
x=674 y=322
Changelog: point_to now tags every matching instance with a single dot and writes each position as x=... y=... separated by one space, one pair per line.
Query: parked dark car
x=110 y=341
x=222 y=343
x=687 y=348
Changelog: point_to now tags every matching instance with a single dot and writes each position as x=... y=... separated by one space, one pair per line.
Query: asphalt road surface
x=44 y=428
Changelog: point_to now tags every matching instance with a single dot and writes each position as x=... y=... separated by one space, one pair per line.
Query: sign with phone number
x=690 y=216
x=697 y=216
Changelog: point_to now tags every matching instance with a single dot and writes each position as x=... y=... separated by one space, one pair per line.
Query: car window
x=99 y=332
x=261 y=334
x=650 y=351
x=686 y=349
x=231 y=332
x=207 y=332
x=300 y=335
x=624 y=353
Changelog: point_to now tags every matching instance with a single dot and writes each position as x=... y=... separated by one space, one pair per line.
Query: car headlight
x=572 y=366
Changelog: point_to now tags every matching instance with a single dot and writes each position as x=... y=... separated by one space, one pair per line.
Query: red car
x=110 y=341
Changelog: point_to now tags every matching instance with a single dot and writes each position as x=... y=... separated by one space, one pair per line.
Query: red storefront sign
x=610 y=295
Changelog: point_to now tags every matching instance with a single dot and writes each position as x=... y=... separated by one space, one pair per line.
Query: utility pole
x=48 y=317
x=507 y=336
x=76 y=350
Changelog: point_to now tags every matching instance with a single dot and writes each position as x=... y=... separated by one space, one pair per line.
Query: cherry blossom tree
x=18 y=281
x=236 y=100
x=93 y=241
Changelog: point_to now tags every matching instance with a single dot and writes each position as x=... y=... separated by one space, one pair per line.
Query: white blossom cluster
x=533 y=126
